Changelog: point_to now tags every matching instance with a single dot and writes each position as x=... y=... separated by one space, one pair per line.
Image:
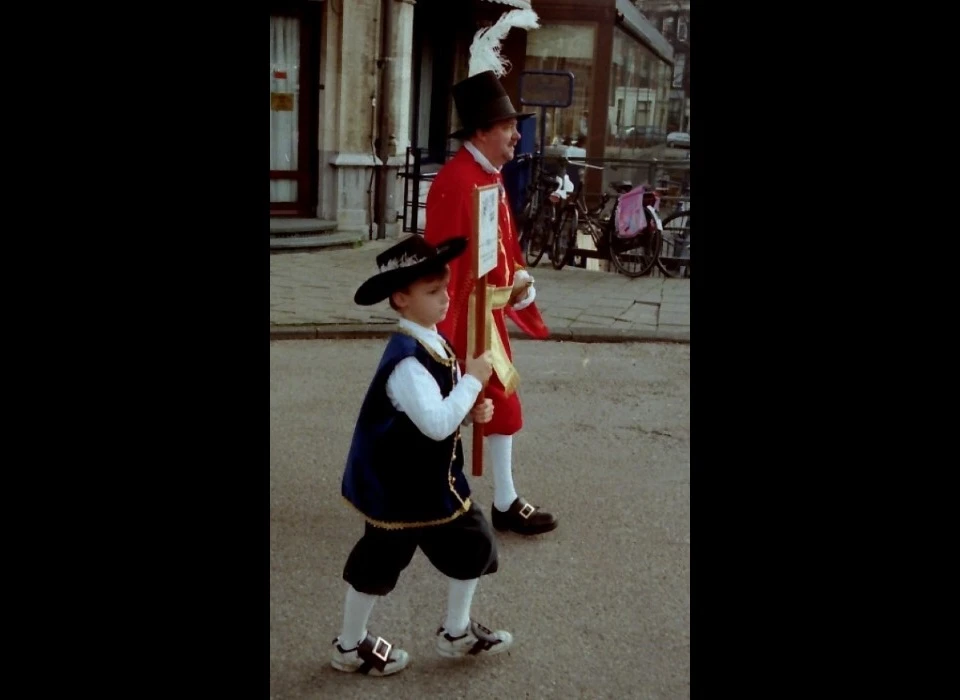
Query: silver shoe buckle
x=526 y=511
x=381 y=642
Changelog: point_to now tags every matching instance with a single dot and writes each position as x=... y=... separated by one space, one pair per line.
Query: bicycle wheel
x=565 y=237
x=537 y=243
x=633 y=257
x=525 y=221
x=674 y=257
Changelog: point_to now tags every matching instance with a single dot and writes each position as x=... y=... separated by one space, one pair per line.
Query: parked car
x=639 y=136
x=678 y=139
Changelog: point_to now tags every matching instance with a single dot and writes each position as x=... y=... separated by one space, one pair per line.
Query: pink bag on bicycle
x=631 y=217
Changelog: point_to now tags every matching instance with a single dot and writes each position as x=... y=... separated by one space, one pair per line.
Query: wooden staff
x=479 y=347
x=486 y=201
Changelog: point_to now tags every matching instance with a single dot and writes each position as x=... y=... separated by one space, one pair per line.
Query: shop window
x=680 y=61
x=667 y=26
x=639 y=89
x=565 y=47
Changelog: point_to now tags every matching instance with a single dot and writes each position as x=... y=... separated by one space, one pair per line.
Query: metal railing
x=418 y=171
x=670 y=176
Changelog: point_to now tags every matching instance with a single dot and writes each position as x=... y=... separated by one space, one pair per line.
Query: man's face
x=497 y=142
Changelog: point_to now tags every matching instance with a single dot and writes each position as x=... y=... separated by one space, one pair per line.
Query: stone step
x=280 y=226
x=300 y=243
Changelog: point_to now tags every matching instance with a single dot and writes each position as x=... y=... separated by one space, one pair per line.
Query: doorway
x=294 y=104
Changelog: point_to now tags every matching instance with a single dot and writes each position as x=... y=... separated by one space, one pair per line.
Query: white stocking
x=501 y=448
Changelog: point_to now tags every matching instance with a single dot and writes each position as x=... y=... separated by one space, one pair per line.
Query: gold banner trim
x=497 y=299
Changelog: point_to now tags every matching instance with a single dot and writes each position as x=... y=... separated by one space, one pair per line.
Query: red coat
x=449 y=213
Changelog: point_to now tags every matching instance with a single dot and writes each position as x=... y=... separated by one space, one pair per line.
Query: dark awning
x=640 y=27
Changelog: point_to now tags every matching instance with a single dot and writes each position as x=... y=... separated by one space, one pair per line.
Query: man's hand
x=521 y=283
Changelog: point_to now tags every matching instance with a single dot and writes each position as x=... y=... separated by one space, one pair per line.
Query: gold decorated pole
x=486 y=201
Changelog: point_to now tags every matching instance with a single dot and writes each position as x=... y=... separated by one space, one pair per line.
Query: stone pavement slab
x=311 y=296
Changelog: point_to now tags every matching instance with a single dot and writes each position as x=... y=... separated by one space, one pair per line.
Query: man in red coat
x=489 y=135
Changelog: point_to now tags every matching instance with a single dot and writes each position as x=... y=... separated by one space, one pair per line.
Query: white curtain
x=284 y=83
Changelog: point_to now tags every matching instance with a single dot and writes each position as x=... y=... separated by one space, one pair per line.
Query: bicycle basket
x=631 y=216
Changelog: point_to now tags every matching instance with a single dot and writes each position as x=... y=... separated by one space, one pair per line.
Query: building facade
x=355 y=83
x=672 y=19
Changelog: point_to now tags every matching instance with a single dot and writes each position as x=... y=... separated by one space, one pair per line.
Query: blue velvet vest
x=395 y=475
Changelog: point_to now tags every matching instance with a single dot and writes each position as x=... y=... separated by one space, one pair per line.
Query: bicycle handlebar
x=564 y=161
x=528 y=156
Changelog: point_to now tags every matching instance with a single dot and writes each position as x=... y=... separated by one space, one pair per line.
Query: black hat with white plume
x=480 y=98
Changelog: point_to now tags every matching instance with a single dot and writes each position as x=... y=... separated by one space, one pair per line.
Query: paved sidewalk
x=311 y=296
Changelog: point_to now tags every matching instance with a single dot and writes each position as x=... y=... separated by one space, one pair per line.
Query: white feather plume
x=519 y=4
x=485 y=49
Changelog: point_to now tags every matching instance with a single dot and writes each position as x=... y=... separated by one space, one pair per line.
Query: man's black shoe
x=523 y=518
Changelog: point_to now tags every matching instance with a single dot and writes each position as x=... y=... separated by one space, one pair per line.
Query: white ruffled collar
x=480 y=158
x=428 y=336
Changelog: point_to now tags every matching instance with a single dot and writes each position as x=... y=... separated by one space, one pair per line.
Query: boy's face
x=426 y=301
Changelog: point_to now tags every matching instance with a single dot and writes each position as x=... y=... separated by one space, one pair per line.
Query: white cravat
x=413 y=390
x=480 y=158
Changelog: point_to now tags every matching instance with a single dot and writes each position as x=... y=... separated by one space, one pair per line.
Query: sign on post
x=546 y=88
x=487 y=203
x=486 y=215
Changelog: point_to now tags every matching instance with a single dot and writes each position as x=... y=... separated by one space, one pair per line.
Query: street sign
x=546 y=88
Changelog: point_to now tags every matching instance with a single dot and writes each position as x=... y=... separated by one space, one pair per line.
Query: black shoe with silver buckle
x=523 y=518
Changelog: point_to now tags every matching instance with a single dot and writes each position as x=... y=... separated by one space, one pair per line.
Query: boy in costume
x=404 y=470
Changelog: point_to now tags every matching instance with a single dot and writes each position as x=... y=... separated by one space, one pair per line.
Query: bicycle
x=674 y=257
x=565 y=237
x=537 y=220
x=631 y=256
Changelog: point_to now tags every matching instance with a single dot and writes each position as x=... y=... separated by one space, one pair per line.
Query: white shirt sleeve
x=413 y=390
x=467 y=420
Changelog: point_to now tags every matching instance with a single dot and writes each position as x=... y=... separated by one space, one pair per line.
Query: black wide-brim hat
x=404 y=263
x=482 y=101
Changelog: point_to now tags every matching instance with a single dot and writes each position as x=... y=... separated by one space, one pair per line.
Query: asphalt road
x=599 y=608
